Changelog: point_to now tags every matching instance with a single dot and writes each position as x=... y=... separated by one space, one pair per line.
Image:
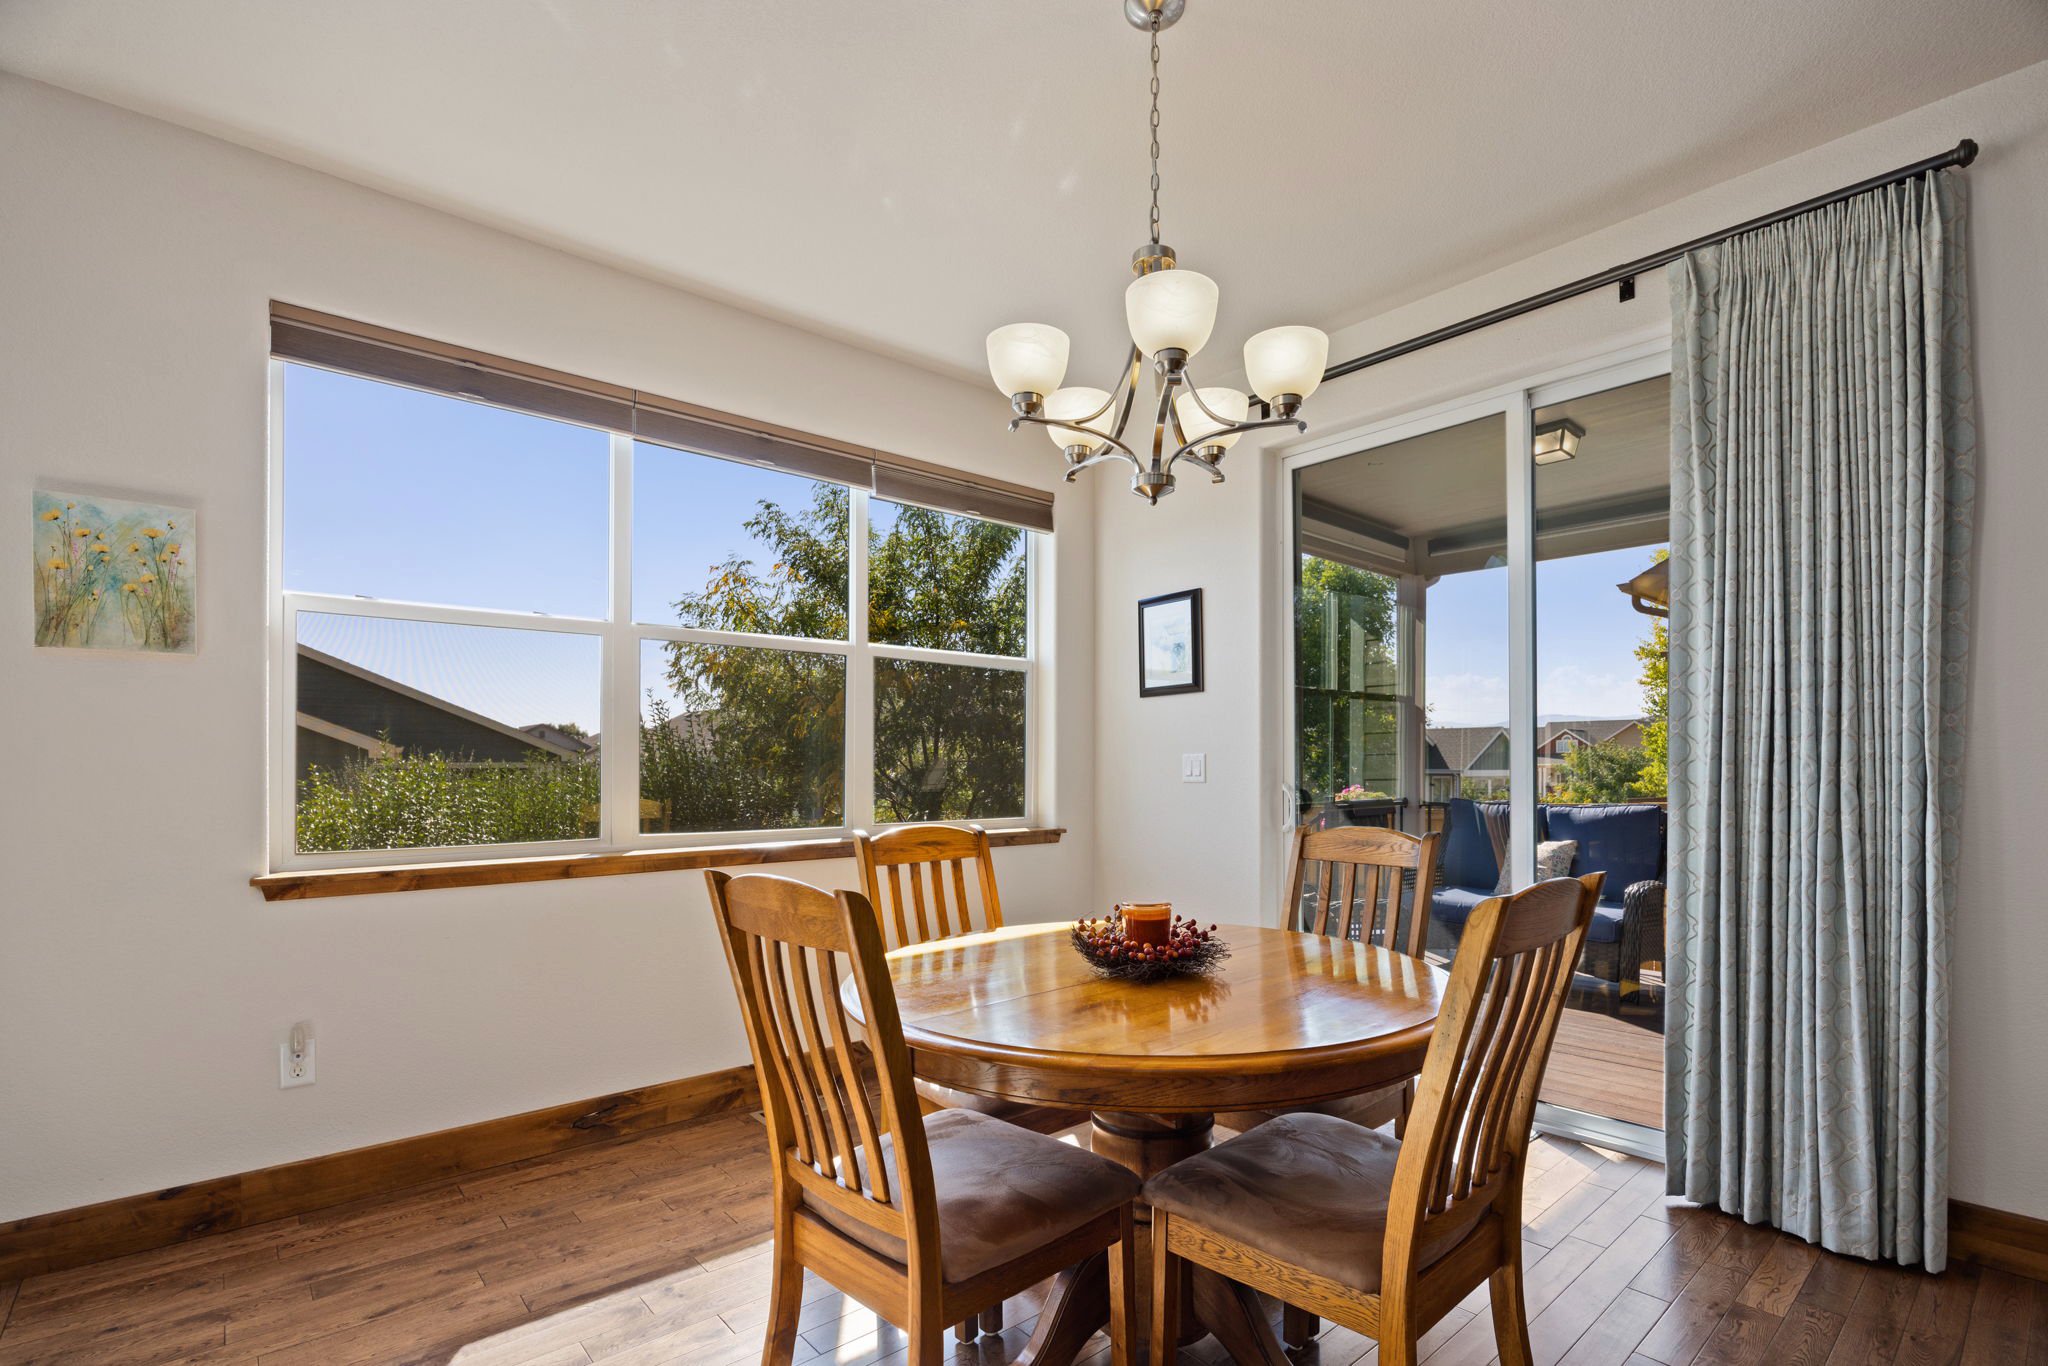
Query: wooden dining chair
x=935 y=882
x=1349 y=882
x=1385 y=1236
x=927 y=1220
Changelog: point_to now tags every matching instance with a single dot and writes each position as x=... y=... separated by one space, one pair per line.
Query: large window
x=503 y=630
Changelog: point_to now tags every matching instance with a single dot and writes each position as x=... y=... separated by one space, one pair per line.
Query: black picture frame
x=1156 y=624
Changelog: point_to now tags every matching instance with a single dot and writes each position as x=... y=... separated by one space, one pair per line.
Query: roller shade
x=336 y=343
x=924 y=485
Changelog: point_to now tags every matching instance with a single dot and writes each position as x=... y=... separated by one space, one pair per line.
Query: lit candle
x=1148 y=922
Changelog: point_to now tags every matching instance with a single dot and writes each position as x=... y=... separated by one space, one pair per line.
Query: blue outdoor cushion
x=1451 y=907
x=1625 y=841
x=1467 y=859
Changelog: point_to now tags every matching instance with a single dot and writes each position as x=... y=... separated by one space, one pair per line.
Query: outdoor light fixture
x=1555 y=441
x=1170 y=313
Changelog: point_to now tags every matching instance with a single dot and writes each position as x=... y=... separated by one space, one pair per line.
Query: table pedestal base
x=1078 y=1305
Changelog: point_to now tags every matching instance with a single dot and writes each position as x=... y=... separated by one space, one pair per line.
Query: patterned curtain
x=1822 y=499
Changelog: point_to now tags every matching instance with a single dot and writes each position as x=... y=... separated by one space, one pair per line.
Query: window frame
x=620 y=639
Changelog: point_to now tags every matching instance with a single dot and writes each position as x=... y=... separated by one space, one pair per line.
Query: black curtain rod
x=1962 y=154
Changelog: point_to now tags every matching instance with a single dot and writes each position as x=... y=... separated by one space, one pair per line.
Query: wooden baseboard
x=114 y=1228
x=1992 y=1237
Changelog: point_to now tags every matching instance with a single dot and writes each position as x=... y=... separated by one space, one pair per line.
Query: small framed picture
x=1170 y=644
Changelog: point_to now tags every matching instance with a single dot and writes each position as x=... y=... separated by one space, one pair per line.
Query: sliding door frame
x=1516 y=403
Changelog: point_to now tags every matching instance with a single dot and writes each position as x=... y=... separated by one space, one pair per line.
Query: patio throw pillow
x=1553 y=859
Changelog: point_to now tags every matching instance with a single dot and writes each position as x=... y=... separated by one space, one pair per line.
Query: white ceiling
x=908 y=173
x=1450 y=480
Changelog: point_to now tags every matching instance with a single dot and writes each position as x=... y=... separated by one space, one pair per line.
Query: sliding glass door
x=1478 y=652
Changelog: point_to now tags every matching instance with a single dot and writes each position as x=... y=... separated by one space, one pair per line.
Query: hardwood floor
x=654 y=1249
x=1607 y=1066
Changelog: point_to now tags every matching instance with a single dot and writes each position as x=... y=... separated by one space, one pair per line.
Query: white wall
x=1216 y=848
x=142 y=982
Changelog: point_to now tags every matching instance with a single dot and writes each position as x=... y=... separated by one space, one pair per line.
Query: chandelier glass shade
x=1171 y=313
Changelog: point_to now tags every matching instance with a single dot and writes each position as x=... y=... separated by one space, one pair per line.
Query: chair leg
x=785 y=1301
x=1510 y=1313
x=992 y=1318
x=1298 y=1326
x=968 y=1329
x=1165 y=1294
x=1397 y=1348
x=927 y=1346
x=1124 y=1290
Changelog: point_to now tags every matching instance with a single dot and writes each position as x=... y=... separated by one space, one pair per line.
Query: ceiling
x=1449 y=484
x=906 y=174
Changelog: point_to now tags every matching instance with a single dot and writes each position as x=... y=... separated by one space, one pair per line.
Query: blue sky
x=396 y=494
x=1586 y=635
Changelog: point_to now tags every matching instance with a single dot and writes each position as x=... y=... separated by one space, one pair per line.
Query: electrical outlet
x=295 y=1056
x=1194 y=768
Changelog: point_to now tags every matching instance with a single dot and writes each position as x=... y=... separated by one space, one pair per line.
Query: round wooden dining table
x=1287 y=1019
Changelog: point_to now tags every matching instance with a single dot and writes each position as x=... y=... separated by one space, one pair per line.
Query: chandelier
x=1171 y=313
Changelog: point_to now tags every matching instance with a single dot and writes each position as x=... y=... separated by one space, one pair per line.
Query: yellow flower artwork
x=91 y=595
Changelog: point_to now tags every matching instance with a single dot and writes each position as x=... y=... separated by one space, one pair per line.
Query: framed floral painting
x=114 y=575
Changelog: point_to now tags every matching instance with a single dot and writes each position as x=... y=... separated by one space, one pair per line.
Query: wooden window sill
x=486 y=872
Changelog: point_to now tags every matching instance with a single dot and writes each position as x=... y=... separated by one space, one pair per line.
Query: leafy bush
x=397 y=801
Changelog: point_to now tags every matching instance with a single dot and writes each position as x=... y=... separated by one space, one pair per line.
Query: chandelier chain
x=1155 y=127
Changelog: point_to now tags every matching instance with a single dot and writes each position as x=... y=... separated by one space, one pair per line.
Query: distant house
x=346 y=712
x=569 y=740
x=1462 y=760
x=1461 y=754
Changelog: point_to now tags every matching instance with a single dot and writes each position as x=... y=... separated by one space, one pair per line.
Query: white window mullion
x=284 y=658
x=1521 y=497
x=619 y=705
x=860 y=672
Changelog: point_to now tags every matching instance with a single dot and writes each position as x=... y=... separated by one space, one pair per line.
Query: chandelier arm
x=1206 y=410
x=1187 y=452
x=1128 y=387
x=1107 y=404
x=1067 y=424
x=1103 y=457
x=1160 y=421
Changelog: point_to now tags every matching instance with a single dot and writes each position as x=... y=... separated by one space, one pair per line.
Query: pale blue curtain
x=1821 y=505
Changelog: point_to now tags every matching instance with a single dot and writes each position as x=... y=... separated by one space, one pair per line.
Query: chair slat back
x=1468 y=1134
x=789 y=946
x=918 y=878
x=1348 y=881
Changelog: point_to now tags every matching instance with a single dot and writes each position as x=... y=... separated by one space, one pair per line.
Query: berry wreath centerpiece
x=1187 y=950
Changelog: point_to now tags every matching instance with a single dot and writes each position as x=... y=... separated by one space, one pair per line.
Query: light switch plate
x=1194 y=768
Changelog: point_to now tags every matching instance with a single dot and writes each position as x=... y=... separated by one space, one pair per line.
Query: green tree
x=1603 y=772
x=1344 y=633
x=949 y=739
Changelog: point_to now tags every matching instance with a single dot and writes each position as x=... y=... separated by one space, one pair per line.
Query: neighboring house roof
x=351 y=701
x=1458 y=746
x=1467 y=749
x=555 y=735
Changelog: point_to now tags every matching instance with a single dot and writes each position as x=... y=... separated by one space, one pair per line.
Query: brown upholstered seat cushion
x=1003 y=1191
x=1310 y=1190
x=1043 y=1118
